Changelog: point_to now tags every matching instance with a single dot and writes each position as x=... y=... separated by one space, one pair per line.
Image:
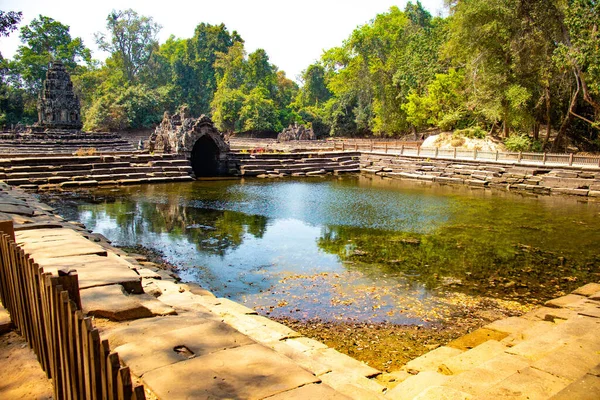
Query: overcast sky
x=294 y=33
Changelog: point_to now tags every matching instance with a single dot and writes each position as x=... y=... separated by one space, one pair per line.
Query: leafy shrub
x=457 y=141
x=474 y=132
x=517 y=143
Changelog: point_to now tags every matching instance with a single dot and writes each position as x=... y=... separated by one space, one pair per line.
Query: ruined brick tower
x=58 y=106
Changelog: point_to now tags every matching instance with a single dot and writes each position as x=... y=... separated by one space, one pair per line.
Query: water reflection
x=360 y=248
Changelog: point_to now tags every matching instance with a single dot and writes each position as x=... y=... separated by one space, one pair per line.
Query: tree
x=45 y=40
x=132 y=41
x=9 y=21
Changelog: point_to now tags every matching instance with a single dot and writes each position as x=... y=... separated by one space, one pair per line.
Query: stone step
x=432 y=360
x=471 y=358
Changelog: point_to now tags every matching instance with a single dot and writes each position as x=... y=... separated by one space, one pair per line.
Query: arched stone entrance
x=205 y=157
x=195 y=138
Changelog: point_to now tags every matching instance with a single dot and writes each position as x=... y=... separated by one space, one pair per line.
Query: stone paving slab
x=142 y=329
x=586 y=388
x=479 y=379
x=529 y=383
x=355 y=386
x=472 y=358
x=94 y=270
x=111 y=302
x=160 y=350
x=432 y=360
x=413 y=386
x=587 y=290
x=51 y=243
x=571 y=361
x=246 y=372
x=313 y=391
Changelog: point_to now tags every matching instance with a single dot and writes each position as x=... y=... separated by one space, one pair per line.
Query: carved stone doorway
x=205 y=157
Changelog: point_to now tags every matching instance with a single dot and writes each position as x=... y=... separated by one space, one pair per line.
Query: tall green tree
x=132 y=40
x=45 y=40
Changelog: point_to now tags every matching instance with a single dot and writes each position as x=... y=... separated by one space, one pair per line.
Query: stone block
x=585 y=388
x=442 y=392
x=478 y=380
x=570 y=361
x=94 y=270
x=339 y=362
x=472 y=358
x=143 y=329
x=246 y=372
x=161 y=349
x=432 y=360
x=530 y=382
x=587 y=290
x=312 y=391
x=113 y=303
x=356 y=386
x=477 y=337
x=568 y=301
x=415 y=385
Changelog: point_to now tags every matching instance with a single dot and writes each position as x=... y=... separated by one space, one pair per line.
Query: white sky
x=293 y=33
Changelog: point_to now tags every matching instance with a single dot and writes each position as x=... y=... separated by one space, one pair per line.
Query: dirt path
x=21 y=376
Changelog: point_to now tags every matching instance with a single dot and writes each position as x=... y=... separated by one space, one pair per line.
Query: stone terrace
x=273 y=165
x=55 y=172
x=61 y=142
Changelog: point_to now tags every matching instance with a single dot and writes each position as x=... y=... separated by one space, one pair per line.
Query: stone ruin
x=296 y=132
x=195 y=138
x=58 y=106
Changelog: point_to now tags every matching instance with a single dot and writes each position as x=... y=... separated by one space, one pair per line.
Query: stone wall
x=274 y=165
x=579 y=181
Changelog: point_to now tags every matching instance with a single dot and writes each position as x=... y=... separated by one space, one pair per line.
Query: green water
x=353 y=248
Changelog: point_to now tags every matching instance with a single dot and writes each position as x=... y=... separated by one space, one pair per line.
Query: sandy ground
x=21 y=376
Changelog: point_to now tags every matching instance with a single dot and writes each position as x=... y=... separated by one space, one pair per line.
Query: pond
x=353 y=248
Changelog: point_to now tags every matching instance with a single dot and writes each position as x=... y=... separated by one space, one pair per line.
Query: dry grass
x=90 y=151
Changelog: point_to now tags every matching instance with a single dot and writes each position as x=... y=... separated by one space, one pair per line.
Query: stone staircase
x=552 y=352
x=61 y=142
x=274 y=165
x=74 y=171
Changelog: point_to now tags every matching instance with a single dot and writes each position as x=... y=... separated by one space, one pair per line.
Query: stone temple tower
x=58 y=106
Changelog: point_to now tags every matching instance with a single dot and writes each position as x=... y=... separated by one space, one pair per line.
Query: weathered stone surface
x=476 y=338
x=312 y=391
x=442 y=393
x=528 y=383
x=339 y=362
x=415 y=385
x=585 y=388
x=570 y=361
x=479 y=379
x=246 y=372
x=472 y=358
x=587 y=290
x=296 y=133
x=94 y=270
x=432 y=360
x=162 y=349
x=16 y=209
x=58 y=105
x=112 y=302
x=142 y=329
x=568 y=301
x=355 y=386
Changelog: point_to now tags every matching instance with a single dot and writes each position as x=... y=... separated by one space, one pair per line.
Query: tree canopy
x=508 y=67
